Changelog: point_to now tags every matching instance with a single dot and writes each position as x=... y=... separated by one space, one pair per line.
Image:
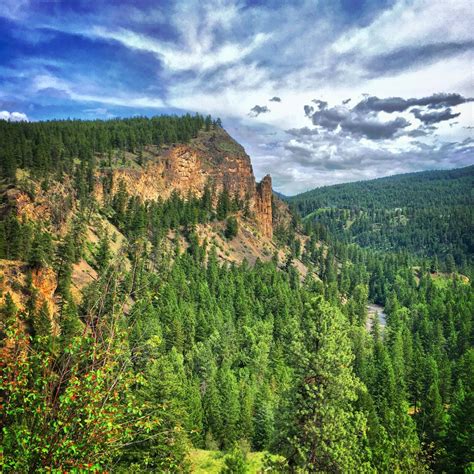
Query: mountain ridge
x=465 y=173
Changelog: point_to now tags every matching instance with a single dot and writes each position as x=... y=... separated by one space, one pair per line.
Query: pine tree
x=264 y=420
x=459 y=440
x=8 y=312
x=235 y=462
x=230 y=406
x=66 y=257
x=325 y=430
x=41 y=254
x=208 y=123
x=223 y=205
x=232 y=228
x=162 y=396
x=103 y=254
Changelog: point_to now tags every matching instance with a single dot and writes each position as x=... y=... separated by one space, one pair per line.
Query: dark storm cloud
x=302 y=132
x=308 y=110
x=258 y=109
x=429 y=118
x=330 y=118
x=398 y=104
x=322 y=104
x=275 y=99
x=363 y=120
x=374 y=129
x=407 y=57
x=417 y=133
x=374 y=104
x=302 y=154
x=357 y=123
x=440 y=101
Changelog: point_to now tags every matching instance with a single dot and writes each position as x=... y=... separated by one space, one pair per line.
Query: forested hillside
x=426 y=188
x=136 y=330
x=430 y=214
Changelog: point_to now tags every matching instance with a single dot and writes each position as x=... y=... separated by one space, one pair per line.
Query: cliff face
x=264 y=205
x=213 y=159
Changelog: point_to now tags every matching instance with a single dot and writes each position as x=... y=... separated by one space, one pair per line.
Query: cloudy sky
x=318 y=92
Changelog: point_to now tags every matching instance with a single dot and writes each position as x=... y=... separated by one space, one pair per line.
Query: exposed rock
x=82 y=275
x=281 y=213
x=264 y=206
x=53 y=207
x=213 y=159
x=23 y=206
x=44 y=280
x=13 y=281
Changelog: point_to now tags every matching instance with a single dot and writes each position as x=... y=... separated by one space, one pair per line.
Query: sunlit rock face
x=214 y=159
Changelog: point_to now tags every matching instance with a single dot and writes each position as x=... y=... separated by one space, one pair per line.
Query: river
x=375 y=310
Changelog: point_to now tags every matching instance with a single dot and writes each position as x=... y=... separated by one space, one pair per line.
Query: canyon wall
x=214 y=159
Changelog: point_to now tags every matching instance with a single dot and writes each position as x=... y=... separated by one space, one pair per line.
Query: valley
x=162 y=311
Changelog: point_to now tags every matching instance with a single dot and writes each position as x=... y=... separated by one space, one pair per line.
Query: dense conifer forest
x=171 y=350
x=430 y=214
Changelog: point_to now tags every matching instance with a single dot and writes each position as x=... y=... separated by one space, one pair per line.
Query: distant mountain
x=428 y=213
x=280 y=195
x=402 y=190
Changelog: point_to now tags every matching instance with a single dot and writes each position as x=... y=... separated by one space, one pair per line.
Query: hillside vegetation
x=430 y=214
x=168 y=334
x=426 y=188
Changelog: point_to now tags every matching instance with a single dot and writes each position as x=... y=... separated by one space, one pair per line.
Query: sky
x=318 y=92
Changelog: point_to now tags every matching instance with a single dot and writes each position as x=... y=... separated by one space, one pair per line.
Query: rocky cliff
x=264 y=206
x=213 y=159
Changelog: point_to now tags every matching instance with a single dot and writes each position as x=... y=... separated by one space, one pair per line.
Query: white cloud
x=13 y=9
x=200 y=56
x=13 y=116
x=201 y=45
x=411 y=22
x=89 y=93
x=223 y=58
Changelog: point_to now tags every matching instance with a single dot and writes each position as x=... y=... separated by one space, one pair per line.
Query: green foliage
x=42 y=250
x=235 y=461
x=51 y=147
x=413 y=189
x=327 y=434
x=232 y=228
x=429 y=214
x=8 y=312
x=224 y=205
x=103 y=254
x=178 y=351
x=66 y=399
x=459 y=441
x=15 y=238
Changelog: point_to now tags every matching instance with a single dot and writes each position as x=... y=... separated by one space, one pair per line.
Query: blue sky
x=318 y=92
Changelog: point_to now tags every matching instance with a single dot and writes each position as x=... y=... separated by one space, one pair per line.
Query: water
x=375 y=310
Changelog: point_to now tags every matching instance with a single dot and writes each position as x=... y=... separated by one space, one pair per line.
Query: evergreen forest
x=170 y=351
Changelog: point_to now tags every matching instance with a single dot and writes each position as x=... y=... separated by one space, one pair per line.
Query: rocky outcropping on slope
x=213 y=159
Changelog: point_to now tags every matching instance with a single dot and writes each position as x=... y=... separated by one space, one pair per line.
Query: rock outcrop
x=213 y=159
x=43 y=281
x=264 y=206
